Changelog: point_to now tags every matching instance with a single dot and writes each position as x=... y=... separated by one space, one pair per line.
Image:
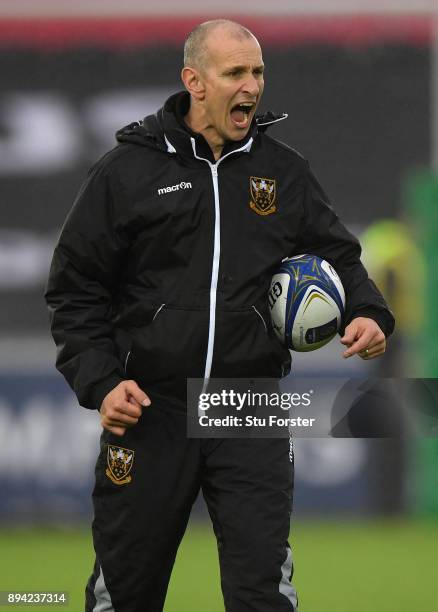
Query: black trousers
x=146 y=483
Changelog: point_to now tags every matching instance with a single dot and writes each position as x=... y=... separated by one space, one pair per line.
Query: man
x=161 y=273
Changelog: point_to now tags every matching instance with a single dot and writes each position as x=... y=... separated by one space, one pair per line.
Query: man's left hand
x=364 y=338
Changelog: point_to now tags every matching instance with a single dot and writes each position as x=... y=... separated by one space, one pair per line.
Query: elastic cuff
x=101 y=389
x=383 y=318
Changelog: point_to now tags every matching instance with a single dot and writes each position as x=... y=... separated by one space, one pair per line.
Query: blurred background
x=359 y=80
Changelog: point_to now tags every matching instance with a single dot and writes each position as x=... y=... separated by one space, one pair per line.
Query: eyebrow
x=242 y=67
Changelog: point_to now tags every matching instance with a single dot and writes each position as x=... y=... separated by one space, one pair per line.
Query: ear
x=193 y=82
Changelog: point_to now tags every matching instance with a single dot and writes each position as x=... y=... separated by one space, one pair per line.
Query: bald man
x=161 y=274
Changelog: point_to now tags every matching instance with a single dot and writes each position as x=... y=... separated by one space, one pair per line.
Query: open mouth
x=240 y=114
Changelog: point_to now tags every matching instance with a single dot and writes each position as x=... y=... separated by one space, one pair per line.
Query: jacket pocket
x=246 y=346
x=281 y=351
x=170 y=349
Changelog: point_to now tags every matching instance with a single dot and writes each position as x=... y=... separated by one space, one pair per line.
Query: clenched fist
x=122 y=407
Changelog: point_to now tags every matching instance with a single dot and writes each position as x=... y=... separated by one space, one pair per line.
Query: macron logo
x=182 y=185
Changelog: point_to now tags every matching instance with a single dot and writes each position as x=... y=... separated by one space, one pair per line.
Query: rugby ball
x=307 y=302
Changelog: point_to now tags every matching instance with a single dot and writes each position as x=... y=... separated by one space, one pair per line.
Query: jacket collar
x=167 y=131
x=180 y=139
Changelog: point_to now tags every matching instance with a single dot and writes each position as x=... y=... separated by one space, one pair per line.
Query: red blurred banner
x=111 y=32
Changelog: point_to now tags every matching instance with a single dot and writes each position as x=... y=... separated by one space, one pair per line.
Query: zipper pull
x=214 y=169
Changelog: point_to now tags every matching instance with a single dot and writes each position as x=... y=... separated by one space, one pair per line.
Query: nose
x=252 y=85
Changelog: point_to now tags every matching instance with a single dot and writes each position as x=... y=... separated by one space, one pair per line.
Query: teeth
x=246 y=107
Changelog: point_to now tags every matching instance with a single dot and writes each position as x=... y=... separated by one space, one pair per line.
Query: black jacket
x=163 y=265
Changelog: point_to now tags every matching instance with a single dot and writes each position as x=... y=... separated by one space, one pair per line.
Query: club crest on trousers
x=119 y=462
x=263 y=195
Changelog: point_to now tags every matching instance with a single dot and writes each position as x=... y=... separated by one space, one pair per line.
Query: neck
x=197 y=122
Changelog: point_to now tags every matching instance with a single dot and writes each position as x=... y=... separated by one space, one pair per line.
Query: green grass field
x=340 y=566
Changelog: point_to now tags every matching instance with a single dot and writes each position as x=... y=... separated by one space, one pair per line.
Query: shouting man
x=161 y=273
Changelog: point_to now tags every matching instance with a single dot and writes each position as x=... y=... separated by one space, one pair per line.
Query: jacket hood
x=146 y=133
x=167 y=131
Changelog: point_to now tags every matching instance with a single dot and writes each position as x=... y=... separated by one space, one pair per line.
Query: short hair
x=195 y=47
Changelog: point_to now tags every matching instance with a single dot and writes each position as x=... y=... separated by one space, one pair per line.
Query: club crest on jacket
x=263 y=195
x=119 y=462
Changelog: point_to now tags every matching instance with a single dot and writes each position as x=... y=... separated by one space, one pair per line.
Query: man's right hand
x=122 y=407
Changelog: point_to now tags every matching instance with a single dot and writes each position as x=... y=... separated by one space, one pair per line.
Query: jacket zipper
x=259 y=314
x=214 y=272
x=216 y=253
x=126 y=361
x=157 y=312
